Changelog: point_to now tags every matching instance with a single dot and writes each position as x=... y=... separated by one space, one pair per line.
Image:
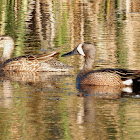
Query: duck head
x=7 y=43
x=85 y=49
x=6 y=40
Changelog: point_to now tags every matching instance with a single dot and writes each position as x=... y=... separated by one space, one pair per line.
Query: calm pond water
x=47 y=106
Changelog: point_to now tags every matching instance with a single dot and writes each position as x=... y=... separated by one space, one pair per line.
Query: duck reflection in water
x=108 y=78
x=35 y=78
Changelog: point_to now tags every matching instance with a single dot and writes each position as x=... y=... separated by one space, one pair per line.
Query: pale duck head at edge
x=7 y=43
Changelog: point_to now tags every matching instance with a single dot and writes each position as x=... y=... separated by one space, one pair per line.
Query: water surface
x=48 y=105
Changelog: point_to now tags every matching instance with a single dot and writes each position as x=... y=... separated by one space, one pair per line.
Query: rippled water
x=48 y=105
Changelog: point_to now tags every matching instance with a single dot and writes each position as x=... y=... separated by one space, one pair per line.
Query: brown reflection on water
x=93 y=117
x=45 y=106
x=33 y=108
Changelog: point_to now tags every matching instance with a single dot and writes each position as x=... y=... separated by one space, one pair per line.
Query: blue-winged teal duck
x=106 y=77
x=32 y=63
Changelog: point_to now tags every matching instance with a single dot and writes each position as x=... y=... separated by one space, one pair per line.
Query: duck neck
x=7 y=52
x=86 y=68
x=89 y=61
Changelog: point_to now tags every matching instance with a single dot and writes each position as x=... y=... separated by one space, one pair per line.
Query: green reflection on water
x=120 y=38
x=35 y=113
x=61 y=37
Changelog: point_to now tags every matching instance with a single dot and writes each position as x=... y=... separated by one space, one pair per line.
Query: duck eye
x=1 y=38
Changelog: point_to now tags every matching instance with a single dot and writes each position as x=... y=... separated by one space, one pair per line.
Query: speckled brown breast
x=101 y=78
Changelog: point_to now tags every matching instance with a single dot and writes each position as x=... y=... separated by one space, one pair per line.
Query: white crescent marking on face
x=80 y=50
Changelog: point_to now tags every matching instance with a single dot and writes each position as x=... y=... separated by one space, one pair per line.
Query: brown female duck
x=32 y=63
x=105 y=77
